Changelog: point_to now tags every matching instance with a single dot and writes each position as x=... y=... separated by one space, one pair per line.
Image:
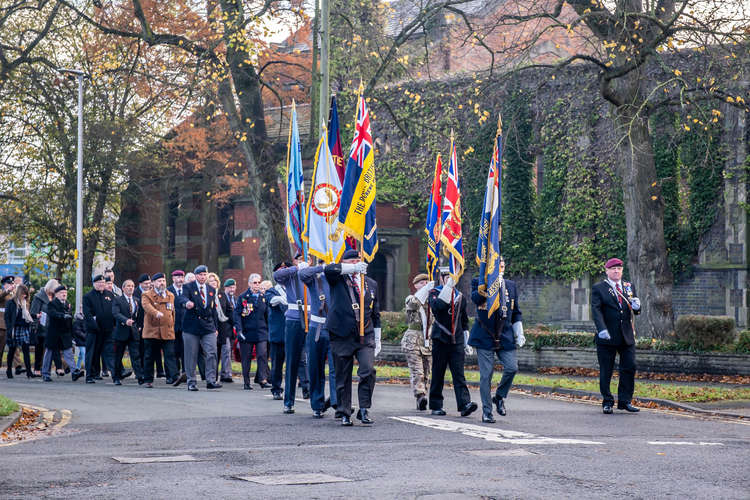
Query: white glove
x=378 y=345
x=449 y=282
x=446 y=292
x=361 y=267
x=302 y=265
x=278 y=299
x=604 y=334
x=635 y=303
x=468 y=350
x=518 y=334
x=423 y=292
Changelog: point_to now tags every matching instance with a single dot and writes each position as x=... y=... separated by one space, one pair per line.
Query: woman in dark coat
x=59 y=333
x=18 y=322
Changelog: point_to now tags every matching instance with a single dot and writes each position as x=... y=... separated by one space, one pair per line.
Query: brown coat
x=5 y=296
x=153 y=327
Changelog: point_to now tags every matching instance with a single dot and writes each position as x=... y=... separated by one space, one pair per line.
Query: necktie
x=130 y=300
x=355 y=285
x=203 y=295
x=619 y=293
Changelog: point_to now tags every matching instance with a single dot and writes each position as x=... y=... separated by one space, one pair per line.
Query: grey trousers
x=47 y=362
x=486 y=359
x=226 y=359
x=192 y=344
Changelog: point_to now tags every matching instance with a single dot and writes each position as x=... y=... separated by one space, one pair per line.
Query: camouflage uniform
x=418 y=355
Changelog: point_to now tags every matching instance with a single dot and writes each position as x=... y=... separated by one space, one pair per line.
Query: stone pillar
x=580 y=299
x=735 y=214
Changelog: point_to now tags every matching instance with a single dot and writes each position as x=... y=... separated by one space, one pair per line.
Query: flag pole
x=361 y=297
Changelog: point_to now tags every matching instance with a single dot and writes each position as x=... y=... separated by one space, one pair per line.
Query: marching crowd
x=314 y=316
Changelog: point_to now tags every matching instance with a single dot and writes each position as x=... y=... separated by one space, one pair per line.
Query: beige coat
x=153 y=327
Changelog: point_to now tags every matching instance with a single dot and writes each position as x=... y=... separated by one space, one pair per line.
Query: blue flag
x=433 y=222
x=295 y=190
x=490 y=230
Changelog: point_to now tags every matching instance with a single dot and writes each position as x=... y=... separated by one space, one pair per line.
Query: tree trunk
x=648 y=265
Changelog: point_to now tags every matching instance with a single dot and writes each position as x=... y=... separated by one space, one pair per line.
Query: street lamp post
x=80 y=75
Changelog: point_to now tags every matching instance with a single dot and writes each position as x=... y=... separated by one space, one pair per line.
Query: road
x=544 y=448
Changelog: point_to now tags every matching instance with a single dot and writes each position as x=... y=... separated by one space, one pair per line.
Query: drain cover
x=518 y=452
x=294 y=479
x=152 y=460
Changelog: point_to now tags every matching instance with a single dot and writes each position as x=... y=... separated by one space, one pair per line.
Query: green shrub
x=743 y=343
x=393 y=325
x=704 y=332
x=536 y=339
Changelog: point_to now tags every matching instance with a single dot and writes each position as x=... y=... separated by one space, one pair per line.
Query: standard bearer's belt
x=296 y=307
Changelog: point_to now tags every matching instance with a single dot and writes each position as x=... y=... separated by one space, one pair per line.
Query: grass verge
x=7 y=406
x=680 y=393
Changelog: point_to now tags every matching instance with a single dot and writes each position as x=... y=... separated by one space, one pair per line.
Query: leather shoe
x=364 y=417
x=98 y=377
x=422 y=403
x=161 y=375
x=288 y=409
x=439 y=412
x=117 y=382
x=192 y=387
x=228 y=380
x=317 y=414
x=278 y=396
x=32 y=375
x=248 y=387
x=488 y=419
x=499 y=405
x=607 y=409
x=77 y=374
x=89 y=381
x=305 y=393
x=9 y=373
x=182 y=378
x=20 y=370
x=326 y=405
x=126 y=374
x=213 y=385
x=47 y=379
x=265 y=385
x=469 y=409
x=628 y=407
x=346 y=421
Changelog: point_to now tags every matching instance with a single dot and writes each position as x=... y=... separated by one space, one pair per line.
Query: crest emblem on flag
x=451 y=236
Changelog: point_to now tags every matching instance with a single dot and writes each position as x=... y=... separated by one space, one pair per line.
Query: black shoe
x=422 y=403
x=439 y=412
x=105 y=374
x=628 y=407
x=265 y=385
x=182 y=378
x=277 y=396
x=607 y=409
x=161 y=375
x=77 y=374
x=141 y=381
x=192 y=387
x=488 y=419
x=305 y=393
x=248 y=387
x=317 y=414
x=98 y=377
x=117 y=382
x=326 y=405
x=364 y=417
x=346 y=421
x=20 y=370
x=30 y=374
x=288 y=409
x=228 y=380
x=126 y=374
x=90 y=381
x=148 y=385
x=469 y=409
x=499 y=405
x=9 y=373
x=213 y=385
x=47 y=379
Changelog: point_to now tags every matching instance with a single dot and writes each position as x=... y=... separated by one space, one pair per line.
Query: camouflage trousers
x=419 y=360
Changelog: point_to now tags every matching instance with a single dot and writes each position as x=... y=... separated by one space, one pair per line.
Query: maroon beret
x=613 y=262
x=178 y=272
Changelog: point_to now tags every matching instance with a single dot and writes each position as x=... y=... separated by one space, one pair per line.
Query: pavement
x=132 y=442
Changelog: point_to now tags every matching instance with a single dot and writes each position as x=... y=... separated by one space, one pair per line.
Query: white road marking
x=494 y=434
x=151 y=460
x=294 y=479
x=685 y=443
x=517 y=452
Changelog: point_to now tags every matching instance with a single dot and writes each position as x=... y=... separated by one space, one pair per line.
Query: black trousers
x=451 y=356
x=135 y=358
x=277 y=367
x=606 y=355
x=179 y=351
x=261 y=362
x=156 y=360
x=153 y=349
x=98 y=346
x=344 y=351
x=24 y=348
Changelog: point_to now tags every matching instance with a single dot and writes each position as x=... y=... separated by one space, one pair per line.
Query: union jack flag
x=451 y=237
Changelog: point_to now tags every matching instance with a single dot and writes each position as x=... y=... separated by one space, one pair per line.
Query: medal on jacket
x=628 y=289
x=247 y=308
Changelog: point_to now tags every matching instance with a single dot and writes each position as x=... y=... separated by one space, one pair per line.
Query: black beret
x=97 y=277
x=200 y=269
x=299 y=255
x=351 y=254
x=107 y=279
x=7 y=280
x=144 y=277
x=157 y=276
x=61 y=288
x=279 y=266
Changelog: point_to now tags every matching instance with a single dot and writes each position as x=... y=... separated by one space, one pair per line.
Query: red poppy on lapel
x=210 y=294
